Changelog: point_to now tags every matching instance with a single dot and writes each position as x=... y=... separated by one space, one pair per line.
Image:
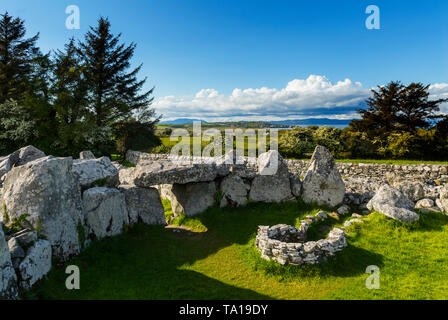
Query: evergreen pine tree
x=114 y=91
x=16 y=58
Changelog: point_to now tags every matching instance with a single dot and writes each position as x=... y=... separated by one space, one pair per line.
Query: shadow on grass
x=149 y=262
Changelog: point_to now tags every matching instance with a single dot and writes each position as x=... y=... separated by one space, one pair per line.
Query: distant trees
x=400 y=122
x=85 y=96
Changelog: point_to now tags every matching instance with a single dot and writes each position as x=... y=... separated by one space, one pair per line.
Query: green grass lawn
x=152 y=262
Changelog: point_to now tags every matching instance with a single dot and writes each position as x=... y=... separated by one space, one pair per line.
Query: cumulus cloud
x=314 y=97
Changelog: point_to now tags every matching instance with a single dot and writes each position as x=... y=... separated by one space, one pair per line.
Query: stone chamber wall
x=347 y=170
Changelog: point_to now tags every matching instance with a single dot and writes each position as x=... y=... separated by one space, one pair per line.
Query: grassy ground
x=157 y=263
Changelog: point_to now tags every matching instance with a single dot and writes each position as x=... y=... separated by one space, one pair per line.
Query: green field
x=153 y=262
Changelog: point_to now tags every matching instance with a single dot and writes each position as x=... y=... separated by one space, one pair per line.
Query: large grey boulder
x=272 y=183
x=323 y=184
x=234 y=191
x=143 y=204
x=8 y=277
x=172 y=172
x=96 y=170
x=412 y=190
x=28 y=154
x=104 y=212
x=191 y=198
x=442 y=201
x=393 y=203
x=36 y=264
x=48 y=191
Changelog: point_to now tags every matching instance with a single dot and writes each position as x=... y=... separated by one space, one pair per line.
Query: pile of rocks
x=62 y=205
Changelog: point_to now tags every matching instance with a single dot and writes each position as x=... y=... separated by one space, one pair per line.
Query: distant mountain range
x=297 y=122
x=182 y=121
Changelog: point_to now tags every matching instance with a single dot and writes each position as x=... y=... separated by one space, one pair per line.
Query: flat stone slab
x=168 y=172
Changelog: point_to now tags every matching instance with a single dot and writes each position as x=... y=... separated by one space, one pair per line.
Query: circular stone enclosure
x=287 y=245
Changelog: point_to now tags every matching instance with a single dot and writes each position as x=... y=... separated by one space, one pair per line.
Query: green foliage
x=99 y=183
x=81 y=234
x=19 y=223
x=5 y=215
x=17 y=55
x=218 y=196
x=328 y=137
x=297 y=142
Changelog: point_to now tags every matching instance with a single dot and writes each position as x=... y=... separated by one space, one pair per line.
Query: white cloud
x=314 y=97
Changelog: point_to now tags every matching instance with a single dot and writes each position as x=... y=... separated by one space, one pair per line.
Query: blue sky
x=262 y=59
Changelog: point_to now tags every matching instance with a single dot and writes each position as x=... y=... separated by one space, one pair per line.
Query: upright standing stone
x=272 y=183
x=323 y=184
x=143 y=204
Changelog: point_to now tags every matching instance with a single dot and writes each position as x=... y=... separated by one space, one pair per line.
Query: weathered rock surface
x=442 y=201
x=127 y=175
x=15 y=249
x=323 y=183
x=94 y=170
x=8 y=277
x=392 y=203
x=412 y=190
x=272 y=183
x=192 y=198
x=168 y=172
x=296 y=185
x=28 y=154
x=48 y=191
x=104 y=212
x=234 y=191
x=86 y=155
x=426 y=205
x=143 y=204
x=36 y=264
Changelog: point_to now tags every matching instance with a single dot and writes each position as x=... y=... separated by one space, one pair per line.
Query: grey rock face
x=47 y=190
x=191 y=198
x=168 y=172
x=143 y=204
x=296 y=185
x=234 y=191
x=127 y=176
x=426 y=205
x=8 y=277
x=25 y=237
x=442 y=201
x=105 y=212
x=392 y=203
x=323 y=183
x=15 y=249
x=272 y=183
x=89 y=171
x=36 y=264
x=86 y=155
x=28 y=154
x=412 y=190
